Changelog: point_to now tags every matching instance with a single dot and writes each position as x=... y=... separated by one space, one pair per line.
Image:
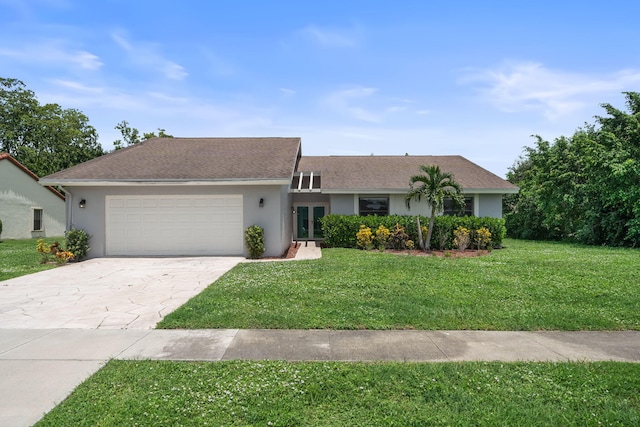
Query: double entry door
x=307 y=218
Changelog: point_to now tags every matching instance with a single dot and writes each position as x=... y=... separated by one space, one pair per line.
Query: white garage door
x=174 y=225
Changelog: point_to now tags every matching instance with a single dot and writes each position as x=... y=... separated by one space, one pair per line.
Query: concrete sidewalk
x=69 y=356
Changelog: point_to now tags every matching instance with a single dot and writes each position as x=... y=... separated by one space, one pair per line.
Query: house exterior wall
x=19 y=195
x=341 y=204
x=489 y=205
x=272 y=217
x=286 y=219
x=397 y=206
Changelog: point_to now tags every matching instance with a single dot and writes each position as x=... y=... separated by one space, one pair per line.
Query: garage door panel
x=174 y=225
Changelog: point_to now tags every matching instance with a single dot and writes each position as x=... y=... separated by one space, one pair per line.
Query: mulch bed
x=469 y=253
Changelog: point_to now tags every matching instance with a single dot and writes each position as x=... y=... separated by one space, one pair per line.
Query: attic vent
x=306 y=182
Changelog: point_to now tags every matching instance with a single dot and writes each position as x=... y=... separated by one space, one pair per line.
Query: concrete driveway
x=107 y=293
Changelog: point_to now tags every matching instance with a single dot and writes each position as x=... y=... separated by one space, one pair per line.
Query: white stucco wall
x=489 y=205
x=19 y=195
x=342 y=204
x=274 y=217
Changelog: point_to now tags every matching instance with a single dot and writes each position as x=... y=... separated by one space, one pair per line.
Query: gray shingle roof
x=198 y=159
x=392 y=173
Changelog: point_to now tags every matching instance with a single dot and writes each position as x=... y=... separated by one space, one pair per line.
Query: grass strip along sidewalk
x=526 y=286
x=161 y=393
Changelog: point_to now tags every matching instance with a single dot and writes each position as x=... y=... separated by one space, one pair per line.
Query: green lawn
x=161 y=393
x=526 y=286
x=19 y=257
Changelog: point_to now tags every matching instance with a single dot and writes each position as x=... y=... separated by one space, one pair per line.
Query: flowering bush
x=461 y=239
x=382 y=237
x=53 y=252
x=44 y=250
x=364 y=238
x=62 y=257
x=483 y=238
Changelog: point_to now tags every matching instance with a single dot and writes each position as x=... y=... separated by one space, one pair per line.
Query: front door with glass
x=308 y=222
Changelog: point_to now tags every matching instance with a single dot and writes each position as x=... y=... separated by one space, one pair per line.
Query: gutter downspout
x=69 y=206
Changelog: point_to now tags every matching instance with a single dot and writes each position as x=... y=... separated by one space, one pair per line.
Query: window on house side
x=451 y=209
x=38 y=217
x=374 y=206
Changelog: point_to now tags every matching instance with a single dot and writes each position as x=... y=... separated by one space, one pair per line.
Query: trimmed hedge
x=340 y=230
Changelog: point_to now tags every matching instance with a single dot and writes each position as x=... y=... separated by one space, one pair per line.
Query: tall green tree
x=585 y=187
x=434 y=186
x=131 y=136
x=45 y=138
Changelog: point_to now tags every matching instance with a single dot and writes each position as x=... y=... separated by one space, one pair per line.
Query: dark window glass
x=451 y=209
x=37 y=220
x=374 y=206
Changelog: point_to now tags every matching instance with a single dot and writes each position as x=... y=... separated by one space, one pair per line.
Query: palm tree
x=434 y=186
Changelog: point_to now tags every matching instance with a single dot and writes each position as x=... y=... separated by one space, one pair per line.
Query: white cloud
x=343 y=101
x=146 y=55
x=287 y=92
x=77 y=86
x=532 y=87
x=53 y=52
x=333 y=37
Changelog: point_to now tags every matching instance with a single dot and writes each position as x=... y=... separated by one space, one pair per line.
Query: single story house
x=196 y=196
x=27 y=209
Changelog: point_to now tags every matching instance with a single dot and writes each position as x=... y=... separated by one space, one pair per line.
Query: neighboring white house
x=196 y=196
x=27 y=209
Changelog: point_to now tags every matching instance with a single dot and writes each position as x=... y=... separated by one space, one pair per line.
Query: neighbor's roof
x=189 y=159
x=23 y=168
x=393 y=173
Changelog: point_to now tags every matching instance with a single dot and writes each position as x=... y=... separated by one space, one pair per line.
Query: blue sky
x=474 y=78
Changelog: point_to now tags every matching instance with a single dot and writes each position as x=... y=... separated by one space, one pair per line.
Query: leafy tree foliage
x=131 y=136
x=585 y=187
x=45 y=138
x=434 y=186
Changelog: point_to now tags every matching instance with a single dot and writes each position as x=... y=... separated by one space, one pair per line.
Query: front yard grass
x=526 y=286
x=19 y=257
x=240 y=393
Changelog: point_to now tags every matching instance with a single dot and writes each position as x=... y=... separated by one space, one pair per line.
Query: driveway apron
x=107 y=293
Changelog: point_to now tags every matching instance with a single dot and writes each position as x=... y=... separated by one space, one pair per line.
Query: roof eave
x=163 y=182
x=405 y=190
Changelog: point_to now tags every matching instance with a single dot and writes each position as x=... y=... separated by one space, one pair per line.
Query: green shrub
x=340 y=230
x=77 y=242
x=254 y=238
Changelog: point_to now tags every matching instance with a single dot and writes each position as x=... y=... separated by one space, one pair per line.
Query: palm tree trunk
x=427 y=244
x=420 y=241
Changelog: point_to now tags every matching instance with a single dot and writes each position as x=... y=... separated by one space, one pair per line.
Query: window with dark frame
x=451 y=209
x=374 y=206
x=37 y=219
